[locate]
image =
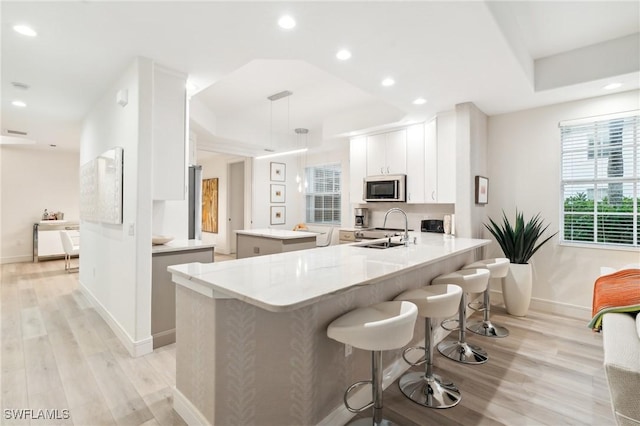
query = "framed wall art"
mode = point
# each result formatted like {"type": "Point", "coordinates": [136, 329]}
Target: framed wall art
{"type": "Point", "coordinates": [210, 205]}
{"type": "Point", "coordinates": [482, 190]}
{"type": "Point", "coordinates": [278, 193]}
{"type": "Point", "coordinates": [278, 172]}
{"type": "Point", "coordinates": [278, 215]}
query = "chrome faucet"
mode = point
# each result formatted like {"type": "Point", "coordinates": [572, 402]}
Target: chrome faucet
{"type": "Point", "coordinates": [405, 238]}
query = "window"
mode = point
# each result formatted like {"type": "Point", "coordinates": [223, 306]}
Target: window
{"type": "Point", "coordinates": [601, 179]}
{"type": "Point", "coordinates": [323, 194]}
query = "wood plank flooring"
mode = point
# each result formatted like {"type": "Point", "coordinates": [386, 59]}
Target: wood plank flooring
{"type": "Point", "coordinates": [57, 353]}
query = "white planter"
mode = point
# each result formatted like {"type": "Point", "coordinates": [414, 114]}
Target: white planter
{"type": "Point", "coordinates": [516, 289]}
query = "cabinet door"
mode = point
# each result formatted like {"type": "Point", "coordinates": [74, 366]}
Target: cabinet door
{"type": "Point", "coordinates": [169, 134]}
{"type": "Point", "coordinates": [49, 243]}
{"type": "Point", "coordinates": [357, 168]}
{"type": "Point", "coordinates": [396, 152]}
{"type": "Point", "coordinates": [446, 130]}
{"type": "Point", "coordinates": [376, 153]}
{"type": "Point", "coordinates": [431, 162]}
{"type": "Point", "coordinates": [415, 164]}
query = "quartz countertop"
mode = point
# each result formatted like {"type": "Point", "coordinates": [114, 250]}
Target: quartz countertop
{"type": "Point", "coordinates": [292, 280]}
{"type": "Point", "coordinates": [180, 245]}
{"type": "Point", "coordinates": [279, 234]}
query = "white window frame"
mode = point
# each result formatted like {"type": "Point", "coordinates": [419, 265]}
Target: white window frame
{"type": "Point", "coordinates": [310, 192]}
{"type": "Point", "coordinates": [632, 181]}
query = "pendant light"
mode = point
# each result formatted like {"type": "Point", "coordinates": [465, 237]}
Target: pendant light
{"type": "Point", "coordinates": [301, 133]}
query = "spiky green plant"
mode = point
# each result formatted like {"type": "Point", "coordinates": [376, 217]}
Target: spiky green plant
{"type": "Point", "coordinates": [519, 243]}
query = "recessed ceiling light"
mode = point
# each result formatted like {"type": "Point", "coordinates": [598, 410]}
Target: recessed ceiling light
{"type": "Point", "coordinates": [343, 54]}
{"type": "Point", "coordinates": [612, 86]}
{"type": "Point", "coordinates": [419, 101]}
{"type": "Point", "coordinates": [388, 82]}
{"type": "Point", "coordinates": [286, 22]}
{"type": "Point", "coordinates": [25, 30]}
{"type": "Point", "coordinates": [20, 104]}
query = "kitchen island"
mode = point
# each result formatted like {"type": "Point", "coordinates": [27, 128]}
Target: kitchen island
{"type": "Point", "coordinates": [163, 290]}
{"type": "Point", "coordinates": [258, 242]}
{"type": "Point", "coordinates": [252, 345]}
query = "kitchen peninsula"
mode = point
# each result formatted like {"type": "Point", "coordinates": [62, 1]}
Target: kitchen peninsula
{"type": "Point", "coordinates": [252, 345]}
{"type": "Point", "coordinates": [258, 242]}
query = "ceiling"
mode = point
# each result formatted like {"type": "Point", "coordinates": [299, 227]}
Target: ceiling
{"type": "Point", "coordinates": [502, 56]}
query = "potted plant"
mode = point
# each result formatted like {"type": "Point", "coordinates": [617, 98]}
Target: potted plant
{"type": "Point", "coordinates": [518, 243]}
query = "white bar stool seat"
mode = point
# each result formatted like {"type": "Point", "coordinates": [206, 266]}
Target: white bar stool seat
{"type": "Point", "coordinates": [426, 388]}
{"type": "Point", "coordinates": [471, 281]}
{"type": "Point", "coordinates": [379, 327]}
{"type": "Point", "coordinates": [498, 268]}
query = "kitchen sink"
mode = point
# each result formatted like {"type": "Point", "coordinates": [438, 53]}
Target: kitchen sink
{"type": "Point", "coordinates": [381, 244]}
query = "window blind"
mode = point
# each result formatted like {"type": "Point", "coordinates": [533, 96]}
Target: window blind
{"type": "Point", "coordinates": [600, 180]}
{"type": "Point", "coordinates": [323, 194]}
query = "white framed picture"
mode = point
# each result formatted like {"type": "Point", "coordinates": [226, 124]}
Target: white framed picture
{"type": "Point", "coordinates": [278, 172]}
{"type": "Point", "coordinates": [278, 193]}
{"type": "Point", "coordinates": [278, 215]}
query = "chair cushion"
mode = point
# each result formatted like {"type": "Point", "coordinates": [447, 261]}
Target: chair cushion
{"type": "Point", "coordinates": [379, 327]}
{"type": "Point", "coordinates": [498, 266]}
{"type": "Point", "coordinates": [435, 301]}
{"type": "Point", "coordinates": [471, 280]}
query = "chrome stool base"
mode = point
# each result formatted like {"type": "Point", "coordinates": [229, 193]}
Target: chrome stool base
{"type": "Point", "coordinates": [488, 329]}
{"type": "Point", "coordinates": [368, 421]}
{"type": "Point", "coordinates": [463, 352]}
{"type": "Point", "coordinates": [434, 393]}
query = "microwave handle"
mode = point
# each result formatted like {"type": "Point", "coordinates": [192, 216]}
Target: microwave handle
{"type": "Point", "coordinates": [396, 184]}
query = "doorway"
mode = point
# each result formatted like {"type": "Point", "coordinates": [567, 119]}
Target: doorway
{"type": "Point", "coordinates": [235, 196]}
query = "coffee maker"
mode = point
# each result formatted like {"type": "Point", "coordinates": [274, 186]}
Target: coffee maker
{"type": "Point", "coordinates": [362, 218]}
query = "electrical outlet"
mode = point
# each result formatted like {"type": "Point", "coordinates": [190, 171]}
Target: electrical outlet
{"type": "Point", "coordinates": [347, 350]}
{"type": "Point", "coordinates": [132, 229]}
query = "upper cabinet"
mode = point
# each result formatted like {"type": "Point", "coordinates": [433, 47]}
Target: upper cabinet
{"type": "Point", "coordinates": [357, 168]}
{"type": "Point", "coordinates": [169, 134]}
{"type": "Point", "coordinates": [415, 164]}
{"type": "Point", "coordinates": [446, 158]}
{"type": "Point", "coordinates": [387, 153]}
{"type": "Point", "coordinates": [425, 152]}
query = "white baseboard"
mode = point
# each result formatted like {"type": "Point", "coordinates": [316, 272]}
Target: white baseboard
{"type": "Point", "coordinates": [185, 409]}
{"type": "Point", "coordinates": [135, 348]}
{"type": "Point", "coordinates": [16, 259]}
{"type": "Point", "coordinates": [550, 307]}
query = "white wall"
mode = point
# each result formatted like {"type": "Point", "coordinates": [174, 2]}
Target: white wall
{"type": "Point", "coordinates": [32, 180]}
{"type": "Point", "coordinates": [524, 172]}
{"type": "Point", "coordinates": [115, 265]}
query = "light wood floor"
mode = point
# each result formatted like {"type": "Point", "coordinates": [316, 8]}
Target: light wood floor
{"type": "Point", "coordinates": [57, 353]}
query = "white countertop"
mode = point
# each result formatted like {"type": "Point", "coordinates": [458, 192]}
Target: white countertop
{"type": "Point", "coordinates": [279, 234]}
{"type": "Point", "coordinates": [180, 245]}
{"type": "Point", "coordinates": [292, 280]}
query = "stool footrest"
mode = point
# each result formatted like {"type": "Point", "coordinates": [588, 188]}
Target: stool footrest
{"type": "Point", "coordinates": [350, 389]}
{"type": "Point", "coordinates": [444, 324]}
{"type": "Point", "coordinates": [421, 361]}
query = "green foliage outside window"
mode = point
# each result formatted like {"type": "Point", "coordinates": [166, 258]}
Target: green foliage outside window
{"type": "Point", "coordinates": [614, 221]}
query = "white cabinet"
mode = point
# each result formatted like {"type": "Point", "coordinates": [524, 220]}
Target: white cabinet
{"type": "Point", "coordinates": [446, 141]}
{"type": "Point", "coordinates": [415, 164]}
{"type": "Point", "coordinates": [431, 161]}
{"type": "Point", "coordinates": [169, 134]}
{"type": "Point", "coordinates": [387, 153]}
{"type": "Point", "coordinates": [357, 168]}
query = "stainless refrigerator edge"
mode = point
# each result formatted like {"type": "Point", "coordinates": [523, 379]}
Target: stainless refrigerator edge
{"type": "Point", "coordinates": [195, 202]}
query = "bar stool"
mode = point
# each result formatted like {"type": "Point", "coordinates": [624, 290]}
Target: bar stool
{"type": "Point", "coordinates": [471, 281]}
{"type": "Point", "coordinates": [376, 328]}
{"type": "Point", "coordinates": [498, 268]}
{"type": "Point", "coordinates": [429, 389]}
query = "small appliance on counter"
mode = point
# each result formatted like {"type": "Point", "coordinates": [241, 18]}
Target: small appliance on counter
{"type": "Point", "coordinates": [432, 225]}
{"type": "Point", "coordinates": [362, 217]}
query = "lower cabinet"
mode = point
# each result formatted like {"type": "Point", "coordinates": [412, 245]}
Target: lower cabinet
{"type": "Point", "coordinates": [163, 291]}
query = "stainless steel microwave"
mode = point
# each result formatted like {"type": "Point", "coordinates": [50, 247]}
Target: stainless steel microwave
{"type": "Point", "coordinates": [385, 188]}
